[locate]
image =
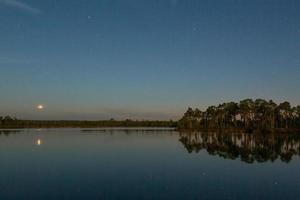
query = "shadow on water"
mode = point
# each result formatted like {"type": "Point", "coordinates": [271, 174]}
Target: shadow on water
{"type": "Point", "coordinates": [249, 148]}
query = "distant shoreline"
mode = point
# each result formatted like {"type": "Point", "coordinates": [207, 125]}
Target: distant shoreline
{"type": "Point", "coordinates": [24, 124]}
{"type": "Point", "coordinates": [107, 125]}
{"type": "Point", "coordinates": [152, 128]}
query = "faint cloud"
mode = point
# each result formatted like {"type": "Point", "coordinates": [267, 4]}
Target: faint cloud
{"type": "Point", "coordinates": [21, 6]}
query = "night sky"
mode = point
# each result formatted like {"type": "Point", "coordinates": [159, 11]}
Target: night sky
{"type": "Point", "coordinates": [144, 59]}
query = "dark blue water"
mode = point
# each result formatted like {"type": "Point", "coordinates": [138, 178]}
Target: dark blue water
{"type": "Point", "coordinates": [120, 164]}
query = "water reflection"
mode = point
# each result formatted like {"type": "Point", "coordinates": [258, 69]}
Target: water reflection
{"type": "Point", "coordinates": [39, 142]}
{"type": "Point", "coordinates": [118, 164]}
{"type": "Point", "coordinates": [7, 132]}
{"type": "Point", "coordinates": [249, 148]}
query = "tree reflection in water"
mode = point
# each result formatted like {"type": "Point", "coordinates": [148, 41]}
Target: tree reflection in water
{"type": "Point", "coordinates": [249, 148]}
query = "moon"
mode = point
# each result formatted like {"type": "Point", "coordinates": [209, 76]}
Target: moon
{"type": "Point", "coordinates": [40, 107]}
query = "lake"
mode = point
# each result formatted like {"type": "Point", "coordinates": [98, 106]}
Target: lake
{"type": "Point", "coordinates": [147, 164]}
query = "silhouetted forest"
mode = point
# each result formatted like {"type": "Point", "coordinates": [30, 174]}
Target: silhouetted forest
{"type": "Point", "coordinates": [9, 122]}
{"type": "Point", "coordinates": [249, 148]}
{"type": "Point", "coordinates": [247, 115]}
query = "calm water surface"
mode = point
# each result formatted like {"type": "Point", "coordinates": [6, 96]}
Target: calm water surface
{"type": "Point", "coordinates": [147, 164]}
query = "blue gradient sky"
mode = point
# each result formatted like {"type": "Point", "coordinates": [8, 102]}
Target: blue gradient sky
{"type": "Point", "coordinates": [144, 59]}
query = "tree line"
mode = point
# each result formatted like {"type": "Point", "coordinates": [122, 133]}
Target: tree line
{"type": "Point", "coordinates": [247, 115]}
{"type": "Point", "coordinates": [10, 122]}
